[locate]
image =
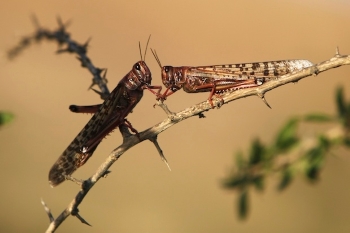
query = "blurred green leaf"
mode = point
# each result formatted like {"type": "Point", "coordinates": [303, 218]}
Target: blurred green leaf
{"type": "Point", "coordinates": [240, 161]}
{"type": "Point", "coordinates": [262, 157]}
{"type": "Point", "coordinates": [324, 142]}
{"type": "Point", "coordinates": [287, 138]}
{"type": "Point", "coordinates": [243, 204]}
{"type": "Point", "coordinates": [256, 152]}
{"type": "Point", "coordinates": [347, 118]}
{"type": "Point", "coordinates": [341, 106]}
{"type": "Point", "coordinates": [318, 117]}
{"type": "Point", "coordinates": [312, 172]}
{"type": "Point", "coordinates": [6, 117]}
{"type": "Point", "coordinates": [258, 182]}
{"type": "Point", "coordinates": [315, 158]}
{"type": "Point", "coordinates": [235, 181]}
{"type": "Point", "coordinates": [287, 177]}
{"type": "Point", "coordinates": [314, 155]}
{"type": "Point", "coordinates": [347, 142]}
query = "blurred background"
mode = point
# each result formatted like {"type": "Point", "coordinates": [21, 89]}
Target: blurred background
{"type": "Point", "coordinates": [141, 195]}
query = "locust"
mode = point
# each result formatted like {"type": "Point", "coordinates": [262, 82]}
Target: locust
{"type": "Point", "coordinates": [218, 79]}
{"type": "Point", "coordinates": [107, 116]}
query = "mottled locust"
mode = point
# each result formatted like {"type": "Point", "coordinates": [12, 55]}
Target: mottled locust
{"type": "Point", "coordinates": [218, 79]}
{"type": "Point", "coordinates": [107, 116]}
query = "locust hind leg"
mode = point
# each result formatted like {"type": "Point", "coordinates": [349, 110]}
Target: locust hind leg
{"type": "Point", "coordinates": [218, 88]}
{"type": "Point", "coordinates": [85, 109]}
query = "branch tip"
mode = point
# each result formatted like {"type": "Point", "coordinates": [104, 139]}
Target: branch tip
{"type": "Point", "coordinates": [48, 211]}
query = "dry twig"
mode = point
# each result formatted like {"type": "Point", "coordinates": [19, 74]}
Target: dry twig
{"type": "Point", "coordinates": [174, 118]}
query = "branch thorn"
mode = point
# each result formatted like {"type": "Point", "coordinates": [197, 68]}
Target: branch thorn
{"type": "Point", "coordinates": [62, 25]}
{"type": "Point", "coordinates": [75, 212]}
{"type": "Point", "coordinates": [337, 54]}
{"type": "Point", "coordinates": [155, 142]}
{"type": "Point", "coordinates": [86, 44]}
{"type": "Point", "coordinates": [82, 220]}
{"type": "Point", "coordinates": [48, 211]}
{"type": "Point", "coordinates": [105, 174]}
{"type": "Point", "coordinates": [262, 97]}
{"type": "Point", "coordinates": [201, 115]}
{"type": "Point", "coordinates": [98, 92]}
{"type": "Point", "coordinates": [104, 76]}
{"type": "Point", "coordinates": [35, 21]}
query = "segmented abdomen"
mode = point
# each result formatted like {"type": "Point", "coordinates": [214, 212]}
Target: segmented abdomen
{"type": "Point", "coordinates": [72, 158]}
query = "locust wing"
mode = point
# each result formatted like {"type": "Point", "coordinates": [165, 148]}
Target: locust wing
{"type": "Point", "coordinates": [245, 71]}
{"type": "Point", "coordinates": [72, 158]}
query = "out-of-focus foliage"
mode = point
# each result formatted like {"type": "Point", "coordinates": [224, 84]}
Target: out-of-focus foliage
{"type": "Point", "coordinates": [5, 117]}
{"type": "Point", "coordinates": [290, 153]}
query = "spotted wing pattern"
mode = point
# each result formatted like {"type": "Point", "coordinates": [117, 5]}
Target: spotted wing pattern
{"type": "Point", "coordinates": [245, 71]}
{"type": "Point", "coordinates": [73, 157]}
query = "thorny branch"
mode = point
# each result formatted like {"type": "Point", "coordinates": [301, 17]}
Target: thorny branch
{"type": "Point", "coordinates": [63, 39]}
{"type": "Point", "coordinates": [172, 119]}
{"type": "Point", "coordinates": [151, 133]}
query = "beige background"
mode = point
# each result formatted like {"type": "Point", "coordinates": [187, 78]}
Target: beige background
{"type": "Point", "coordinates": [141, 195]}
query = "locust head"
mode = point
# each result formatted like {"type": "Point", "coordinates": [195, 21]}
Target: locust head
{"type": "Point", "coordinates": [139, 76]}
{"type": "Point", "coordinates": [172, 77]}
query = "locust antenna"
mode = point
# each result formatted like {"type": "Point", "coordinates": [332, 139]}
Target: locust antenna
{"type": "Point", "coordinates": [140, 51]}
{"type": "Point", "coordinates": [144, 56]}
{"type": "Point", "coordinates": [156, 57]}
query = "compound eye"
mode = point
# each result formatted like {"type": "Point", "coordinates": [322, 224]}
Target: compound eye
{"type": "Point", "coordinates": [137, 66]}
{"type": "Point", "coordinates": [166, 69]}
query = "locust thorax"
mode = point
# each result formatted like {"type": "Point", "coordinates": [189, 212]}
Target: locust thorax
{"type": "Point", "coordinates": [172, 77]}
{"type": "Point", "coordinates": [139, 76]}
